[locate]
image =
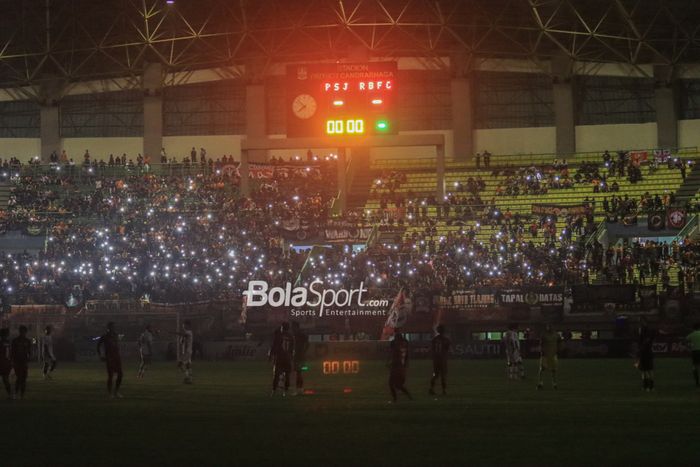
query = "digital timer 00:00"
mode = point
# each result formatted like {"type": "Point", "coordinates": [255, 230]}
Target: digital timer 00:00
{"type": "Point", "coordinates": [334, 367]}
{"type": "Point", "coordinates": [339, 127]}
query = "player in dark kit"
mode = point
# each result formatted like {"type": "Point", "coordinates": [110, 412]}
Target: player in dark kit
{"type": "Point", "coordinates": [5, 361]}
{"type": "Point", "coordinates": [20, 352]}
{"type": "Point", "coordinates": [301, 345]}
{"type": "Point", "coordinates": [46, 352]}
{"type": "Point", "coordinates": [398, 366]}
{"type": "Point", "coordinates": [439, 348]}
{"type": "Point", "coordinates": [145, 350]}
{"type": "Point", "coordinates": [282, 355]}
{"type": "Point", "coordinates": [645, 358]}
{"type": "Point", "coordinates": [113, 359]}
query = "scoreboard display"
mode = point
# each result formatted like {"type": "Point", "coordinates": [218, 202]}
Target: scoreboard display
{"type": "Point", "coordinates": [341, 99]}
{"type": "Point", "coordinates": [344, 367]}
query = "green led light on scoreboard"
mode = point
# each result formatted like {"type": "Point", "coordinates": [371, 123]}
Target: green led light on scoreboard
{"type": "Point", "coordinates": [382, 125]}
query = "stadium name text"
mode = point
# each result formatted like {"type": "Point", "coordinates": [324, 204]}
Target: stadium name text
{"type": "Point", "coordinates": [259, 293]}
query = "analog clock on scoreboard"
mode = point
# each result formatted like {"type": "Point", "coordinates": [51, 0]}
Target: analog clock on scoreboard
{"type": "Point", "coordinates": [341, 99]}
{"type": "Point", "coordinates": [304, 106]}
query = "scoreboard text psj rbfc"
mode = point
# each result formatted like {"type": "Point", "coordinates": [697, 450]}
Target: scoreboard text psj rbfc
{"type": "Point", "coordinates": [341, 99]}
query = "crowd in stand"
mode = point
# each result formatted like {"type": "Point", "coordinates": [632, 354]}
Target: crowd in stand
{"type": "Point", "coordinates": [463, 202]}
{"type": "Point", "coordinates": [533, 180]}
{"type": "Point", "coordinates": [12, 162]}
{"type": "Point", "coordinates": [620, 206]}
{"type": "Point", "coordinates": [37, 198]}
{"type": "Point", "coordinates": [647, 263]}
{"type": "Point", "coordinates": [189, 238]}
{"type": "Point", "coordinates": [457, 260]}
{"type": "Point", "coordinates": [162, 238]}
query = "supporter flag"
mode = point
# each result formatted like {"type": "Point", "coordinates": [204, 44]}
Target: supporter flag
{"type": "Point", "coordinates": [637, 157]}
{"type": "Point", "coordinates": [231, 170]}
{"type": "Point", "coordinates": [655, 221]}
{"type": "Point", "coordinates": [675, 218]}
{"type": "Point", "coordinates": [398, 314]}
{"type": "Point", "coordinates": [292, 224]}
{"type": "Point", "coordinates": [34, 230]}
{"type": "Point", "coordinates": [630, 219]}
{"type": "Point", "coordinates": [421, 303]}
{"type": "Point", "coordinates": [662, 155]}
{"type": "Point", "coordinates": [261, 171]}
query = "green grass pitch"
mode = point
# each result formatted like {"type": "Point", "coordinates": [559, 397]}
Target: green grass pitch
{"type": "Point", "coordinates": [599, 416]}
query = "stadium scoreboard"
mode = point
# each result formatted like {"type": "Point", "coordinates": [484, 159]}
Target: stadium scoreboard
{"type": "Point", "coordinates": [341, 99]}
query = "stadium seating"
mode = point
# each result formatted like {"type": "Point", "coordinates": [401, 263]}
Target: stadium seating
{"type": "Point", "coordinates": [421, 180]}
{"type": "Point", "coordinates": [423, 183]}
{"type": "Point", "coordinates": [499, 160]}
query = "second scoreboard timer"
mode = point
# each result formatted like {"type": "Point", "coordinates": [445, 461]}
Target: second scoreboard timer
{"type": "Point", "coordinates": [337, 367]}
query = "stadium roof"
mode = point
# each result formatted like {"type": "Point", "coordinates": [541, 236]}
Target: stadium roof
{"type": "Point", "coordinates": [87, 39]}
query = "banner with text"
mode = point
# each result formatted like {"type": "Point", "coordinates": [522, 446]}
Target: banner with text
{"type": "Point", "coordinates": [560, 209]}
{"type": "Point", "coordinates": [525, 297]}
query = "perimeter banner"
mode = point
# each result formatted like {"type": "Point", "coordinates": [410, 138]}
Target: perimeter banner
{"type": "Point", "coordinates": [524, 297]}
{"type": "Point", "coordinates": [560, 209]}
{"type": "Point", "coordinates": [266, 171]}
{"type": "Point", "coordinates": [347, 233]}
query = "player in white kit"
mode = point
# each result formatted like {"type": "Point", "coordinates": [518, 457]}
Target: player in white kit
{"type": "Point", "coordinates": [145, 349]}
{"type": "Point", "coordinates": [514, 360]}
{"type": "Point", "coordinates": [185, 351]}
{"type": "Point", "coordinates": [46, 352]}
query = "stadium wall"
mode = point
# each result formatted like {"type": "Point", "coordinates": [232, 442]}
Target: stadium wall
{"type": "Point", "coordinates": [689, 133]}
{"type": "Point", "coordinates": [216, 145]}
{"type": "Point", "coordinates": [175, 146]}
{"type": "Point", "coordinates": [614, 137]}
{"type": "Point", "coordinates": [539, 140]}
{"type": "Point", "coordinates": [536, 140]}
{"type": "Point", "coordinates": [415, 151]}
{"type": "Point", "coordinates": [22, 148]}
{"type": "Point", "coordinates": [101, 148]}
{"type": "Point", "coordinates": [542, 140]}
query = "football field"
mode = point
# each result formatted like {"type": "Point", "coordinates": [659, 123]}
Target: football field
{"type": "Point", "coordinates": [598, 416]}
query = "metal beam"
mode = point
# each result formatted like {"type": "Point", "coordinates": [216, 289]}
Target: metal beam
{"type": "Point", "coordinates": [84, 40]}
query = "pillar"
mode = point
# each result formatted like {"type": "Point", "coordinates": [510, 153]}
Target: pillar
{"type": "Point", "coordinates": [666, 103]}
{"type": "Point", "coordinates": [462, 106]}
{"type": "Point", "coordinates": [50, 95]}
{"type": "Point", "coordinates": [244, 172]}
{"type": "Point", "coordinates": [256, 118]}
{"type": "Point", "coordinates": [152, 84]}
{"type": "Point", "coordinates": [342, 173]}
{"type": "Point", "coordinates": [462, 118]}
{"type": "Point", "coordinates": [440, 163]}
{"type": "Point", "coordinates": [50, 131]}
{"type": "Point", "coordinates": [563, 96]}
